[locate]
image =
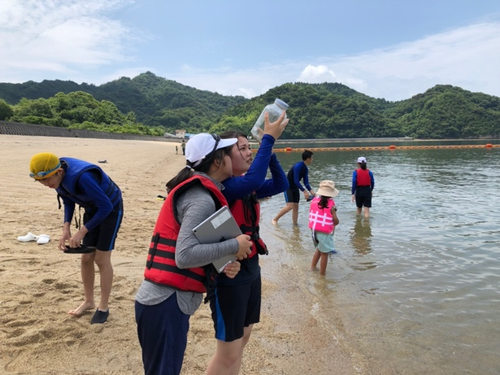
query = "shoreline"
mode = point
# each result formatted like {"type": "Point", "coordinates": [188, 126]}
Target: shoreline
{"type": "Point", "coordinates": [40, 284]}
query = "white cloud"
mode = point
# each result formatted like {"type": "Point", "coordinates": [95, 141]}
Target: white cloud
{"type": "Point", "coordinates": [58, 37]}
{"type": "Point", "coordinates": [316, 74]}
{"type": "Point", "coordinates": [467, 57]}
{"type": "Point", "coordinates": [73, 39]}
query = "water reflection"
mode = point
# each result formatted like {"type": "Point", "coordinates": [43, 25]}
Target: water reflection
{"type": "Point", "coordinates": [361, 236]}
{"type": "Point", "coordinates": [361, 241]}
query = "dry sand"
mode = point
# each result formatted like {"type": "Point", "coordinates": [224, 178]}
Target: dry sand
{"type": "Point", "coordinates": [40, 284]}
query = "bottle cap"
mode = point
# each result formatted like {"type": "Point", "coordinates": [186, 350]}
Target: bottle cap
{"type": "Point", "coordinates": [280, 103]}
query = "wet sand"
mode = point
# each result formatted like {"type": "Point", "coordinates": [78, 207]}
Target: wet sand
{"type": "Point", "coordinates": [40, 284]}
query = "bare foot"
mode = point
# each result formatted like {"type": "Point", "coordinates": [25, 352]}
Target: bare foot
{"type": "Point", "coordinates": [82, 308]}
{"type": "Point", "coordinates": [274, 221]}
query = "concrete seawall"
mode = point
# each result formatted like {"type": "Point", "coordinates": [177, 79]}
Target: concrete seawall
{"type": "Point", "coordinates": [16, 128]}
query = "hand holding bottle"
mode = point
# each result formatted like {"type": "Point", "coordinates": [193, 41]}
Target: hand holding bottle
{"type": "Point", "coordinates": [276, 128]}
{"type": "Point", "coordinates": [274, 111]}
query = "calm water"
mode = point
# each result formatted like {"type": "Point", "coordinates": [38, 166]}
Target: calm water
{"type": "Point", "coordinates": [414, 289]}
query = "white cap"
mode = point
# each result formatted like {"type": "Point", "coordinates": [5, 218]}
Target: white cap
{"type": "Point", "coordinates": [361, 159]}
{"type": "Point", "coordinates": [280, 103]}
{"type": "Point", "coordinates": [199, 146]}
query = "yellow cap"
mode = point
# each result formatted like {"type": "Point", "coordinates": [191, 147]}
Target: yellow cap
{"type": "Point", "coordinates": [44, 165]}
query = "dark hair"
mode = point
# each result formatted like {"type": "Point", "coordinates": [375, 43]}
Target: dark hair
{"type": "Point", "coordinates": [362, 165]}
{"type": "Point", "coordinates": [233, 134]}
{"type": "Point", "coordinates": [203, 167]}
{"type": "Point", "coordinates": [323, 203]}
{"type": "Point", "coordinates": [306, 155]}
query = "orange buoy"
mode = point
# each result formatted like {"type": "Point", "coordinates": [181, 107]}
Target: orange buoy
{"type": "Point", "coordinates": [392, 147]}
{"type": "Point", "coordinates": [489, 145]}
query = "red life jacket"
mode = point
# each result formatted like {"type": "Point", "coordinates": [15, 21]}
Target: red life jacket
{"type": "Point", "coordinates": [160, 266]}
{"type": "Point", "coordinates": [246, 212]}
{"type": "Point", "coordinates": [363, 177]}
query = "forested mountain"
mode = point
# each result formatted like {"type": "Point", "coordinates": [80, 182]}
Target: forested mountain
{"type": "Point", "coordinates": [445, 111]}
{"type": "Point", "coordinates": [154, 100]}
{"type": "Point", "coordinates": [327, 110]}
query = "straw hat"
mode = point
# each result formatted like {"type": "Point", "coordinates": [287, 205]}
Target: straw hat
{"type": "Point", "coordinates": [327, 189]}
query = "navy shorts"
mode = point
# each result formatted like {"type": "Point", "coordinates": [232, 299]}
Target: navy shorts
{"type": "Point", "coordinates": [235, 307]}
{"type": "Point", "coordinates": [363, 196]}
{"type": "Point", "coordinates": [162, 330]}
{"type": "Point", "coordinates": [292, 195]}
{"type": "Point", "coordinates": [104, 235]}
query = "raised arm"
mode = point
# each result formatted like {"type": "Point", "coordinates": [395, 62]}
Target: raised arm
{"type": "Point", "coordinates": [240, 186]}
{"type": "Point", "coordinates": [275, 185]}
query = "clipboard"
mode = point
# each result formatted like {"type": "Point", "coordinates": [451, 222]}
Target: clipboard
{"type": "Point", "coordinates": [218, 227]}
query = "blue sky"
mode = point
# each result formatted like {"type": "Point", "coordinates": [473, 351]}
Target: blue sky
{"type": "Point", "coordinates": [389, 49]}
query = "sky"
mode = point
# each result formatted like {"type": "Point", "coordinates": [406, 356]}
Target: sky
{"type": "Point", "coordinates": [390, 49]}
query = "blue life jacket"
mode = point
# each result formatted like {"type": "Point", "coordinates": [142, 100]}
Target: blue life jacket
{"type": "Point", "coordinates": [73, 169]}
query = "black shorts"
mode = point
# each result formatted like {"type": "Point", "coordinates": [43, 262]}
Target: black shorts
{"type": "Point", "coordinates": [292, 195]}
{"type": "Point", "coordinates": [235, 307]}
{"type": "Point", "coordinates": [104, 235]}
{"type": "Point", "coordinates": [363, 196]}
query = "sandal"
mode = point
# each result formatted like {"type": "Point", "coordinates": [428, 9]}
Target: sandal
{"type": "Point", "coordinates": [80, 250]}
{"type": "Point", "coordinates": [43, 239]}
{"type": "Point", "coordinates": [100, 317]}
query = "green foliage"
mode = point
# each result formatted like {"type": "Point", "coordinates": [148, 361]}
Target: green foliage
{"type": "Point", "coordinates": [148, 104]}
{"type": "Point", "coordinates": [446, 112]}
{"type": "Point", "coordinates": [5, 110]}
{"type": "Point", "coordinates": [332, 110]}
{"type": "Point", "coordinates": [79, 110]}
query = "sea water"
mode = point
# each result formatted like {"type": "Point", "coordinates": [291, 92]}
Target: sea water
{"type": "Point", "coordinates": [417, 285]}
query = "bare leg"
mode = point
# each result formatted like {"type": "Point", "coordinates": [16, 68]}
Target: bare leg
{"type": "Point", "coordinates": [295, 213]}
{"type": "Point", "coordinates": [235, 369]}
{"type": "Point", "coordinates": [323, 263]}
{"type": "Point", "coordinates": [228, 355]}
{"type": "Point", "coordinates": [358, 211]}
{"type": "Point", "coordinates": [315, 259]}
{"type": "Point", "coordinates": [367, 212]}
{"type": "Point", "coordinates": [103, 261]}
{"type": "Point", "coordinates": [88, 275]}
{"type": "Point", "coordinates": [283, 211]}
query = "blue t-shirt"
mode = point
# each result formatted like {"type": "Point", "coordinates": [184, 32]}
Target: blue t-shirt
{"type": "Point", "coordinates": [298, 172]}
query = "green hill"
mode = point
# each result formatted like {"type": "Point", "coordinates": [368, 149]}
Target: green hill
{"type": "Point", "coordinates": [327, 110]}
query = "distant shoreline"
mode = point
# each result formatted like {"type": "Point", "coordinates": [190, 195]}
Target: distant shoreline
{"type": "Point", "coordinates": [382, 139]}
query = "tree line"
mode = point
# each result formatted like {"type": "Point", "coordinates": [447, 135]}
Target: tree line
{"type": "Point", "coordinates": [152, 105]}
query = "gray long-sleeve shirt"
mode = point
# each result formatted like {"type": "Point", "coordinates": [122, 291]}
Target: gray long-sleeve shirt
{"type": "Point", "coordinates": [193, 206]}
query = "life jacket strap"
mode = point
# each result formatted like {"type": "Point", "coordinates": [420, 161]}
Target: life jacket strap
{"type": "Point", "coordinates": [153, 251]}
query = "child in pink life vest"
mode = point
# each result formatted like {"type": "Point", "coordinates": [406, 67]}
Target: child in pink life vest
{"type": "Point", "coordinates": [322, 221]}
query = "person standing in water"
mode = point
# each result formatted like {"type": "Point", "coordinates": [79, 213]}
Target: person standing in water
{"type": "Point", "coordinates": [299, 171]}
{"type": "Point", "coordinates": [322, 221]}
{"type": "Point", "coordinates": [362, 187]}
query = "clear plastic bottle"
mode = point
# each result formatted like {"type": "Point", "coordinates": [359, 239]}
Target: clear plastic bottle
{"type": "Point", "coordinates": [275, 110]}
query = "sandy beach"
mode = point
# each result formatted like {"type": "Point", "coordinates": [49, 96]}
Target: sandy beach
{"type": "Point", "coordinates": [40, 284]}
